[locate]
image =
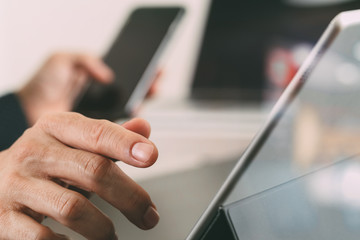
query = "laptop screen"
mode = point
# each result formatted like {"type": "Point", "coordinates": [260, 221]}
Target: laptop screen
{"type": "Point", "coordinates": [238, 37]}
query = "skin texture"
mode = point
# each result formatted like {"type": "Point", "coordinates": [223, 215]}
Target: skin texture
{"type": "Point", "coordinates": [69, 149]}
{"type": "Point", "coordinates": [62, 149]}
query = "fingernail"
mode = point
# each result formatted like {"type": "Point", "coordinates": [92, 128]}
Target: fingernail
{"type": "Point", "coordinates": [151, 218]}
{"type": "Point", "coordinates": [142, 151]}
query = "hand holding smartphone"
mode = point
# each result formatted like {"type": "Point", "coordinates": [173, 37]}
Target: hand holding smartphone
{"type": "Point", "coordinates": [133, 57]}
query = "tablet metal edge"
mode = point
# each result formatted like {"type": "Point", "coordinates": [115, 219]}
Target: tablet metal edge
{"type": "Point", "coordinates": [339, 22]}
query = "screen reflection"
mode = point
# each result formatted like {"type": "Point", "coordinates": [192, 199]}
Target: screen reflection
{"type": "Point", "coordinates": [304, 182]}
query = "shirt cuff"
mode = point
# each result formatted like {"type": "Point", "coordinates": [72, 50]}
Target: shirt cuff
{"type": "Point", "coordinates": [13, 121]}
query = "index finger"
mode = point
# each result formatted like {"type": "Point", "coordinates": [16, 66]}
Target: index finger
{"type": "Point", "coordinates": [101, 137]}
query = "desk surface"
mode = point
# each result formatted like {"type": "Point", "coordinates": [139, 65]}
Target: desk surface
{"type": "Point", "coordinates": [180, 198]}
{"type": "Point", "coordinates": [190, 134]}
{"type": "Point", "coordinates": [198, 147]}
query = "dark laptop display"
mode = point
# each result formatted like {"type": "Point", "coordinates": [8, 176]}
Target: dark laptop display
{"type": "Point", "coordinates": [238, 37]}
{"type": "Point", "coordinates": [300, 177]}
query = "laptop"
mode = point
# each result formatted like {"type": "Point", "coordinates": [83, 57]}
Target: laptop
{"type": "Point", "coordinates": [239, 36]}
{"type": "Point", "coordinates": [300, 176]}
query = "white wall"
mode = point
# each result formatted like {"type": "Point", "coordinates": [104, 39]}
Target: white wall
{"type": "Point", "coordinates": [31, 30]}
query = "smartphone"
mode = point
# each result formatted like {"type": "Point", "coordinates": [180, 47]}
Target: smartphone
{"type": "Point", "coordinates": [133, 57]}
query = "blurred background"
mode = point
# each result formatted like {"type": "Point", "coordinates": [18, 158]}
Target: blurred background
{"type": "Point", "coordinates": [33, 30]}
{"type": "Point", "coordinates": [222, 49]}
{"type": "Point", "coordinates": [227, 62]}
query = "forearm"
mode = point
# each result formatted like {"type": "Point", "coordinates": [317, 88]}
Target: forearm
{"type": "Point", "coordinates": [12, 120]}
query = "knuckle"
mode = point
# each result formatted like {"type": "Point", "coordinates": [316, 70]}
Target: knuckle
{"type": "Point", "coordinates": [97, 167]}
{"type": "Point", "coordinates": [11, 184]}
{"type": "Point", "coordinates": [11, 181]}
{"type": "Point", "coordinates": [25, 150]}
{"type": "Point", "coordinates": [30, 149]}
{"type": "Point", "coordinates": [26, 141]}
{"type": "Point", "coordinates": [97, 132]}
{"type": "Point", "coordinates": [45, 121]}
{"type": "Point", "coordinates": [56, 120]}
{"type": "Point", "coordinates": [71, 206]}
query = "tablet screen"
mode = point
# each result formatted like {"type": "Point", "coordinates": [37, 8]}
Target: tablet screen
{"type": "Point", "coordinates": [324, 204]}
{"type": "Point", "coordinates": [320, 124]}
{"type": "Point", "coordinates": [300, 176]}
{"type": "Point", "coordinates": [304, 181]}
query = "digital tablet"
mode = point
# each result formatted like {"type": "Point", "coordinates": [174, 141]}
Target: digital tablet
{"type": "Point", "coordinates": [300, 176]}
{"type": "Point", "coordinates": [133, 57]}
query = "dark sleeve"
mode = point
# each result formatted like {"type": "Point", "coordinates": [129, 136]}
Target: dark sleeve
{"type": "Point", "coordinates": [12, 120]}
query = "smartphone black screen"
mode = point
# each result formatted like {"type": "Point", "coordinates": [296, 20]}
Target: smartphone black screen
{"type": "Point", "coordinates": [132, 57]}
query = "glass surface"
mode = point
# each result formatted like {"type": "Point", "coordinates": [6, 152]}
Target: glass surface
{"type": "Point", "coordinates": [319, 128]}
{"type": "Point", "coordinates": [321, 205]}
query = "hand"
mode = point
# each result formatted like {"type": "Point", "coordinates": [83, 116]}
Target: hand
{"type": "Point", "coordinates": [57, 84]}
{"type": "Point", "coordinates": [69, 149]}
